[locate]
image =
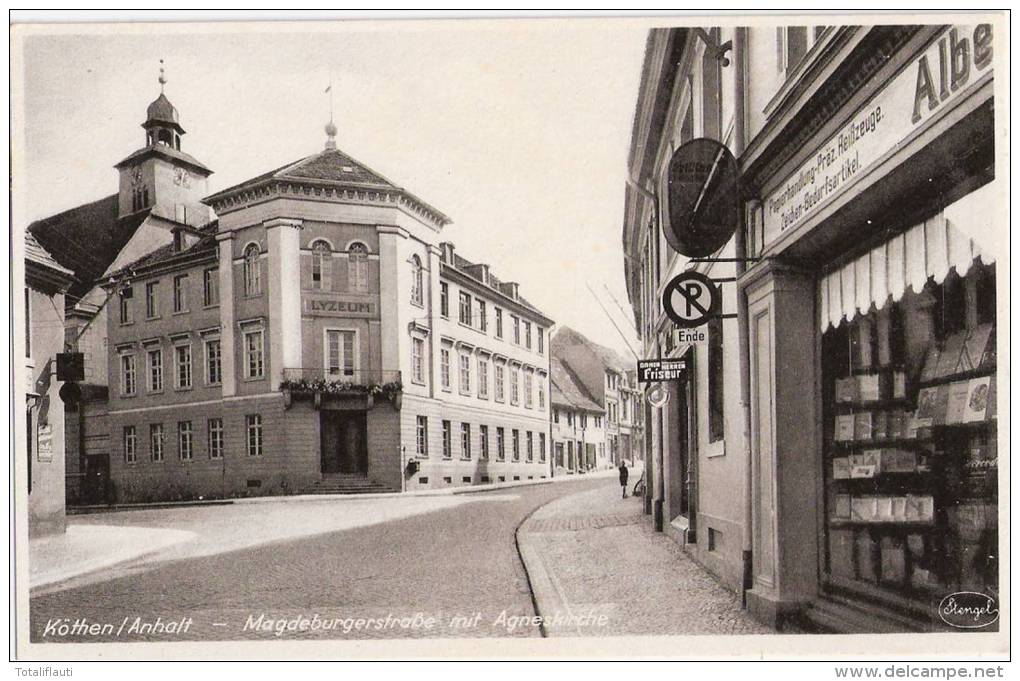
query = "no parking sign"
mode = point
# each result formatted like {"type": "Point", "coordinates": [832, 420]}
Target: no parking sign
{"type": "Point", "coordinates": [691, 299]}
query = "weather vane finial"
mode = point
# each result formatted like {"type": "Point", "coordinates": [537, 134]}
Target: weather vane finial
{"type": "Point", "coordinates": [330, 127]}
{"type": "Point", "coordinates": [162, 76]}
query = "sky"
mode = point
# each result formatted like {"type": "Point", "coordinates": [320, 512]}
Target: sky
{"type": "Point", "coordinates": [517, 130]}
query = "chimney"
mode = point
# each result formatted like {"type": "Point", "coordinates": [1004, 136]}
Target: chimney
{"type": "Point", "coordinates": [446, 251]}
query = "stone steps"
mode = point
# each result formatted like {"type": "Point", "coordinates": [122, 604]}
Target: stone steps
{"type": "Point", "coordinates": [347, 484]}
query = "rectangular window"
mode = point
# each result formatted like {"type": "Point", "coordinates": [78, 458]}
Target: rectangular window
{"type": "Point", "coordinates": [125, 305]}
{"type": "Point", "coordinates": [499, 323]}
{"type": "Point", "coordinates": [500, 444]}
{"type": "Point", "coordinates": [527, 335]}
{"type": "Point", "coordinates": [530, 451]}
{"type": "Point", "coordinates": [483, 322]}
{"type": "Point", "coordinates": [340, 353]}
{"type": "Point", "coordinates": [515, 444]}
{"type": "Point", "coordinates": [180, 293]}
{"type": "Point", "coordinates": [155, 370]}
{"type": "Point", "coordinates": [418, 360]}
{"type": "Point", "coordinates": [184, 442]}
{"type": "Point", "coordinates": [156, 442]}
{"type": "Point", "coordinates": [130, 444]}
{"type": "Point", "coordinates": [213, 362]}
{"type": "Point", "coordinates": [447, 441]}
{"type": "Point", "coordinates": [182, 360]}
{"type": "Point", "coordinates": [210, 287]}
{"type": "Point", "coordinates": [541, 392]}
{"type": "Point", "coordinates": [127, 375]}
{"type": "Point", "coordinates": [444, 300]}
{"type": "Point", "coordinates": [444, 368]}
{"type": "Point", "coordinates": [584, 420]}
{"type": "Point", "coordinates": [465, 440]}
{"type": "Point", "coordinates": [715, 380]}
{"type": "Point", "coordinates": [541, 447]}
{"type": "Point", "coordinates": [483, 378]}
{"type": "Point", "coordinates": [483, 442]}
{"type": "Point", "coordinates": [254, 366]}
{"type": "Point", "coordinates": [556, 415]}
{"type": "Point", "coordinates": [151, 301]}
{"type": "Point", "coordinates": [527, 390]}
{"type": "Point", "coordinates": [465, 308]}
{"type": "Point", "coordinates": [465, 374]}
{"type": "Point", "coordinates": [422, 436]}
{"type": "Point", "coordinates": [215, 438]}
{"type": "Point", "coordinates": [515, 389]}
{"type": "Point", "coordinates": [498, 382]}
{"type": "Point", "coordinates": [253, 426]}
{"type": "Point", "coordinates": [540, 332]}
{"type": "Point", "coordinates": [516, 322]}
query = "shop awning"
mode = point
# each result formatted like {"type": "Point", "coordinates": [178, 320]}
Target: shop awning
{"type": "Point", "coordinates": [953, 239]}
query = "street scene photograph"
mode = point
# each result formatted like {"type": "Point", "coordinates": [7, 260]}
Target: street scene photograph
{"type": "Point", "coordinates": [511, 338]}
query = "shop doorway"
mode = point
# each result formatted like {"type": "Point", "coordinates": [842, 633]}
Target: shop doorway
{"type": "Point", "coordinates": [344, 442]}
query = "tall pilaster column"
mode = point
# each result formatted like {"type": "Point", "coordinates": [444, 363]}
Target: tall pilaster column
{"type": "Point", "coordinates": [283, 237]}
{"type": "Point", "coordinates": [225, 242]}
{"type": "Point", "coordinates": [786, 493]}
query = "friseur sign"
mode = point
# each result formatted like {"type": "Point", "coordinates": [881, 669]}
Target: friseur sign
{"type": "Point", "coordinates": [340, 306]}
{"type": "Point", "coordinates": [655, 370]}
{"type": "Point", "coordinates": [954, 63]}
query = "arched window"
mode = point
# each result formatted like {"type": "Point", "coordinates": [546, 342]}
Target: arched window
{"type": "Point", "coordinates": [322, 266]}
{"type": "Point", "coordinates": [252, 277]}
{"type": "Point", "coordinates": [416, 288]}
{"type": "Point", "coordinates": [357, 267]}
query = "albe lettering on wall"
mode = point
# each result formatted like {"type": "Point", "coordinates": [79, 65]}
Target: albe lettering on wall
{"type": "Point", "coordinates": [949, 67]}
{"type": "Point", "coordinates": [956, 56]}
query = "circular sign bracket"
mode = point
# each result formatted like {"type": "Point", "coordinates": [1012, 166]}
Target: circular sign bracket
{"type": "Point", "coordinates": [704, 198]}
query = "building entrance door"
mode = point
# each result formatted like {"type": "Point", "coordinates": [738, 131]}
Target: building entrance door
{"type": "Point", "coordinates": [344, 442]}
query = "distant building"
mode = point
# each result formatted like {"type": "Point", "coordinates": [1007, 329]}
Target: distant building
{"type": "Point", "coordinates": [606, 380]}
{"type": "Point", "coordinates": [578, 424]}
{"type": "Point", "coordinates": [45, 284]}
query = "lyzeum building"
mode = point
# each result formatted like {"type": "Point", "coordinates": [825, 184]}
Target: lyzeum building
{"type": "Point", "coordinates": [314, 334]}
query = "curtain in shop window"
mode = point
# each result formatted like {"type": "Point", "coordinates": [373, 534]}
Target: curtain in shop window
{"type": "Point", "coordinates": [949, 240]}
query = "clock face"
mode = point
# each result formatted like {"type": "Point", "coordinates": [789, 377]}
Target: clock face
{"type": "Point", "coordinates": [182, 177]}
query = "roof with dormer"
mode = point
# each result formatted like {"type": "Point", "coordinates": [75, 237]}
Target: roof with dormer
{"type": "Point", "coordinates": [332, 173]}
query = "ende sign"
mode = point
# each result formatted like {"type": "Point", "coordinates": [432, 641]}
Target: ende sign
{"type": "Point", "coordinates": [953, 64]}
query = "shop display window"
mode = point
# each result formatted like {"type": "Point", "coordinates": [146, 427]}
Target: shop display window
{"type": "Point", "coordinates": [911, 466]}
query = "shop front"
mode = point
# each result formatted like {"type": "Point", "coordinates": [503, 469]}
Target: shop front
{"type": "Point", "coordinates": [872, 314]}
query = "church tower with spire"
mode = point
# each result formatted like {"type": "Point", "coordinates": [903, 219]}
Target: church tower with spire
{"type": "Point", "coordinates": [159, 177]}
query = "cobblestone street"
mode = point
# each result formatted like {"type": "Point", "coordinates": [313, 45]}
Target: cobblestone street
{"type": "Point", "coordinates": [601, 557]}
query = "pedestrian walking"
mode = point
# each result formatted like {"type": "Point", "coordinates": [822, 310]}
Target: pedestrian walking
{"type": "Point", "coordinates": [624, 474]}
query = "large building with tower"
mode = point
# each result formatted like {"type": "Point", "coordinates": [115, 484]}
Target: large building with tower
{"type": "Point", "coordinates": [307, 330]}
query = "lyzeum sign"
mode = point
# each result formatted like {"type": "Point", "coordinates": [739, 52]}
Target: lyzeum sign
{"type": "Point", "coordinates": [691, 299]}
{"type": "Point", "coordinates": [704, 198]}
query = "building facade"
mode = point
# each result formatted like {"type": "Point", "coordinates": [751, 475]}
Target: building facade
{"type": "Point", "coordinates": [45, 284]}
{"type": "Point", "coordinates": [578, 425]}
{"type": "Point", "coordinates": [316, 335]}
{"type": "Point", "coordinates": [856, 409]}
{"type": "Point", "coordinates": [595, 377]}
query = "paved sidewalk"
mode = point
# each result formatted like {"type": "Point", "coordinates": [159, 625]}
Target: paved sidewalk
{"type": "Point", "coordinates": [89, 548]}
{"type": "Point", "coordinates": [597, 568]}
